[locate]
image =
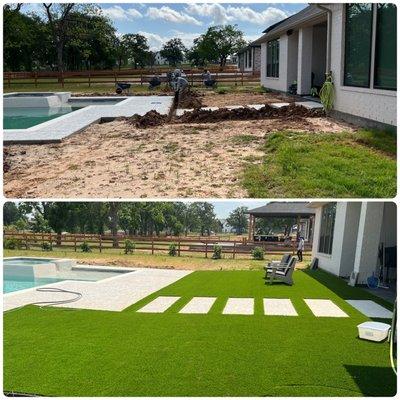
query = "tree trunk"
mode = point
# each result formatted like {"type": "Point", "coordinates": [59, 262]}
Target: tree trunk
{"type": "Point", "coordinates": [114, 223]}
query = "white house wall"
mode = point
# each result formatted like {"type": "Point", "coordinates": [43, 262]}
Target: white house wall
{"type": "Point", "coordinates": [374, 104]}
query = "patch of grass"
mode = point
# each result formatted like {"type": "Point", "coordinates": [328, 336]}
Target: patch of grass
{"type": "Point", "coordinates": [244, 139]}
{"type": "Point", "coordinates": [171, 147]}
{"type": "Point", "coordinates": [61, 352]}
{"type": "Point", "coordinates": [385, 141]}
{"type": "Point", "coordinates": [324, 165]}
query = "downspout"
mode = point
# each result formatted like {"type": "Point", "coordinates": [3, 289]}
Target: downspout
{"type": "Point", "coordinates": [329, 36]}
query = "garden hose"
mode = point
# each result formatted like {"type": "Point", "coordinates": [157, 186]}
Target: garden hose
{"type": "Point", "coordinates": [326, 93]}
{"type": "Point", "coordinates": [392, 337]}
{"type": "Point", "coordinates": [42, 304]}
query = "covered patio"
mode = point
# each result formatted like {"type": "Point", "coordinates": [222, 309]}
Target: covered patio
{"type": "Point", "coordinates": [300, 213]}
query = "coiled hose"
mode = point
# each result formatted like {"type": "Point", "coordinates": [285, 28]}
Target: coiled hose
{"type": "Point", "coordinates": [42, 304]}
{"type": "Point", "coordinates": [327, 92]}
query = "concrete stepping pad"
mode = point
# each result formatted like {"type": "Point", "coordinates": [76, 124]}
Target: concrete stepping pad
{"type": "Point", "coordinates": [198, 305]}
{"type": "Point", "coordinates": [241, 306]}
{"type": "Point", "coordinates": [279, 105]}
{"type": "Point", "coordinates": [311, 105]}
{"type": "Point", "coordinates": [279, 307]}
{"type": "Point", "coordinates": [325, 308]}
{"type": "Point", "coordinates": [370, 309]}
{"type": "Point", "coordinates": [159, 305]}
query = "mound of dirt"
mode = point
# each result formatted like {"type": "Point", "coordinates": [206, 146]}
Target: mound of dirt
{"type": "Point", "coordinates": [6, 161]}
{"type": "Point", "coordinates": [189, 99]}
{"type": "Point", "coordinates": [151, 118]}
{"type": "Point", "coordinates": [291, 112]}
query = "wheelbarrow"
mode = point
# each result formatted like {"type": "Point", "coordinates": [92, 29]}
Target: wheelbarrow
{"type": "Point", "coordinates": [121, 87]}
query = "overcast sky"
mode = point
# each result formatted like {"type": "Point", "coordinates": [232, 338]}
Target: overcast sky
{"type": "Point", "coordinates": [161, 22]}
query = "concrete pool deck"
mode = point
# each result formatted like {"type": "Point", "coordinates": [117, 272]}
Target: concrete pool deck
{"type": "Point", "coordinates": [110, 294]}
{"type": "Point", "coordinates": [55, 130]}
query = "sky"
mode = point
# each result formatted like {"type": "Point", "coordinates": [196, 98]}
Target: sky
{"type": "Point", "coordinates": [223, 208]}
{"type": "Point", "coordinates": [161, 22]}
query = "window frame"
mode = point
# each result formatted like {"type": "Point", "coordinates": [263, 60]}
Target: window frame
{"type": "Point", "coordinates": [272, 70]}
{"type": "Point", "coordinates": [327, 229]}
{"type": "Point", "coordinates": [372, 56]}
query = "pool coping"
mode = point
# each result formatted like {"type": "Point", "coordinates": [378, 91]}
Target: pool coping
{"type": "Point", "coordinates": [56, 129]}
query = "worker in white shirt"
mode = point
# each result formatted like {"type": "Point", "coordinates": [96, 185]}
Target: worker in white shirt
{"type": "Point", "coordinates": [300, 248]}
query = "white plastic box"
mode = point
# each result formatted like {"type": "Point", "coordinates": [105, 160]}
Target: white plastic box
{"type": "Point", "coordinates": [375, 331]}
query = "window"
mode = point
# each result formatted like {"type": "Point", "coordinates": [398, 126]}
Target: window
{"type": "Point", "coordinates": [358, 44]}
{"type": "Point", "coordinates": [327, 226]}
{"type": "Point", "coordinates": [273, 58]}
{"type": "Point", "coordinates": [385, 53]}
{"type": "Point", "coordinates": [359, 40]}
{"type": "Point", "coordinates": [250, 58]}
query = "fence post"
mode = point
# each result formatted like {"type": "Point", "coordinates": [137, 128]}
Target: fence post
{"type": "Point", "coordinates": [36, 78]}
{"type": "Point", "coordinates": [242, 78]}
{"type": "Point", "coordinates": [141, 79]}
{"type": "Point", "coordinates": [235, 78]}
{"type": "Point", "coordinates": [75, 243]}
{"type": "Point", "coordinates": [100, 243]}
{"type": "Point", "coordinates": [179, 248]}
{"type": "Point", "coordinates": [26, 241]}
{"type": "Point", "coordinates": [234, 249]}
{"type": "Point", "coordinates": [89, 78]}
{"type": "Point", "coordinates": [206, 249]}
{"type": "Point", "coordinates": [9, 79]}
{"type": "Point", "coordinates": [152, 246]}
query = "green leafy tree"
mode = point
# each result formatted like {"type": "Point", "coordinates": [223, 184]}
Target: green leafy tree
{"type": "Point", "coordinates": [137, 48]}
{"type": "Point", "coordinates": [173, 51]}
{"type": "Point", "coordinates": [238, 220]}
{"type": "Point", "coordinates": [11, 213]}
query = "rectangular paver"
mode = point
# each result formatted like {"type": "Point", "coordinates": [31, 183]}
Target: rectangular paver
{"type": "Point", "coordinates": [198, 305]}
{"type": "Point", "coordinates": [279, 307]}
{"type": "Point", "coordinates": [159, 305]}
{"type": "Point", "coordinates": [242, 306]}
{"type": "Point", "coordinates": [325, 308]}
{"type": "Point", "coordinates": [370, 309]}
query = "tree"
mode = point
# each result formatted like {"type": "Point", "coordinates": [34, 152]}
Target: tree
{"type": "Point", "coordinates": [136, 48]}
{"type": "Point", "coordinates": [218, 43]}
{"type": "Point", "coordinates": [173, 51]}
{"type": "Point", "coordinates": [113, 214]}
{"type": "Point", "coordinates": [11, 213]}
{"type": "Point", "coordinates": [238, 219]}
{"type": "Point", "coordinates": [206, 217]}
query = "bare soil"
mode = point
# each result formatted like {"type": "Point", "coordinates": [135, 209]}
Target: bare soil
{"type": "Point", "coordinates": [213, 99]}
{"type": "Point", "coordinates": [121, 159]}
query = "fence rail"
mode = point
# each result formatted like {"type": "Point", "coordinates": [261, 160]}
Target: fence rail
{"type": "Point", "coordinates": [150, 244]}
{"type": "Point", "coordinates": [133, 76]}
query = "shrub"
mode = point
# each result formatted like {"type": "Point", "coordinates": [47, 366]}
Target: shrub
{"type": "Point", "coordinates": [172, 251]}
{"type": "Point", "coordinates": [85, 247]}
{"type": "Point", "coordinates": [129, 246]}
{"type": "Point", "coordinates": [217, 252]}
{"type": "Point", "coordinates": [222, 90]}
{"type": "Point", "coordinates": [47, 246]}
{"type": "Point", "coordinates": [12, 244]}
{"type": "Point", "coordinates": [258, 253]}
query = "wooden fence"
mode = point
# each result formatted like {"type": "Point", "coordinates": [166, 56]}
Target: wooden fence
{"type": "Point", "coordinates": [133, 76]}
{"type": "Point", "coordinates": [153, 244]}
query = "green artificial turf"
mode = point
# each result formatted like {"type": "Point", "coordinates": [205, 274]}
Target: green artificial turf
{"type": "Point", "coordinates": [308, 164]}
{"type": "Point", "coordinates": [63, 352]}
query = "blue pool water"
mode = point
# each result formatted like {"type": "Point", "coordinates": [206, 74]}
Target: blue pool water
{"type": "Point", "coordinates": [13, 285]}
{"type": "Point", "coordinates": [19, 273]}
{"type": "Point", "coordinates": [23, 118]}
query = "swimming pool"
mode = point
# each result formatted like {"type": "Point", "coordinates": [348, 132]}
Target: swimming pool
{"type": "Point", "coordinates": [23, 110]}
{"type": "Point", "coordinates": [26, 273]}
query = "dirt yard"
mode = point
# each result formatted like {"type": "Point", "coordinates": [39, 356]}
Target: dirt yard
{"type": "Point", "coordinates": [213, 99]}
{"type": "Point", "coordinates": [119, 160]}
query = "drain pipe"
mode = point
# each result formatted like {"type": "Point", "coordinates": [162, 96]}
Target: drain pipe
{"type": "Point", "coordinates": [329, 37]}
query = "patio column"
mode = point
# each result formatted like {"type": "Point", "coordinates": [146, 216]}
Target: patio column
{"type": "Point", "coordinates": [304, 67]}
{"type": "Point", "coordinates": [368, 239]}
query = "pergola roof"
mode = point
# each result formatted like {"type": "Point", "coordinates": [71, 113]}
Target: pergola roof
{"type": "Point", "coordinates": [283, 209]}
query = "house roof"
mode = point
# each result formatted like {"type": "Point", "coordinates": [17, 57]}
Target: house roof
{"type": "Point", "coordinates": [309, 13]}
{"type": "Point", "coordinates": [249, 46]}
{"type": "Point", "coordinates": [283, 209]}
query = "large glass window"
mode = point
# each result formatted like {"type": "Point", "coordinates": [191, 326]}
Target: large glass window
{"type": "Point", "coordinates": [250, 57]}
{"type": "Point", "coordinates": [358, 36]}
{"type": "Point", "coordinates": [273, 58]}
{"type": "Point", "coordinates": [326, 230]}
{"type": "Point", "coordinates": [385, 47]}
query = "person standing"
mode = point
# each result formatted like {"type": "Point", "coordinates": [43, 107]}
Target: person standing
{"type": "Point", "coordinates": [300, 248]}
